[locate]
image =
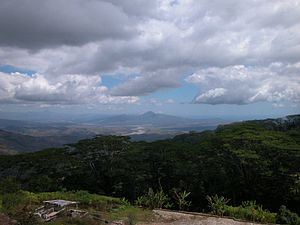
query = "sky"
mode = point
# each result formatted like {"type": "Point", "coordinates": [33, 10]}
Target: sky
{"type": "Point", "coordinates": [194, 58]}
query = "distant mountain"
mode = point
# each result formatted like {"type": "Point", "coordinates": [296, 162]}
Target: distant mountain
{"type": "Point", "coordinates": [151, 119]}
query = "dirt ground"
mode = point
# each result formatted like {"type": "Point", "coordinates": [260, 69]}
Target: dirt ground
{"type": "Point", "coordinates": [5, 220]}
{"type": "Point", "coordinates": [177, 218]}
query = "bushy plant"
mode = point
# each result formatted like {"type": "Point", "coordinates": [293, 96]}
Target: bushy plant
{"type": "Point", "coordinates": [181, 199]}
{"type": "Point", "coordinates": [249, 204]}
{"type": "Point", "coordinates": [250, 210]}
{"type": "Point", "coordinates": [217, 204]}
{"type": "Point", "coordinates": [285, 216]}
{"type": "Point", "coordinates": [153, 200]}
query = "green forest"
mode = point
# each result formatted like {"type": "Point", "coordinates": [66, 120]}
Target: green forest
{"type": "Point", "coordinates": [247, 162]}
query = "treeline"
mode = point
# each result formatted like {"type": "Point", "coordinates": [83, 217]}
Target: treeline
{"type": "Point", "coordinates": [255, 160]}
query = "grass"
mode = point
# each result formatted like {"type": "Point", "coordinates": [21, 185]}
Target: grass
{"type": "Point", "coordinates": [104, 207]}
{"type": "Point", "coordinates": [131, 213]}
{"type": "Point", "coordinates": [249, 210]}
{"type": "Point", "coordinates": [86, 200]}
{"type": "Point", "coordinates": [250, 214]}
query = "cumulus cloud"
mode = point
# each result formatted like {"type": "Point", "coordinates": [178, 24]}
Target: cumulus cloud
{"type": "Point", "coordinates": [242, 85]}
{"type": "Point", "coordinates": [68, 89]}
{"type": "Point", "coordinates": [159, 42]}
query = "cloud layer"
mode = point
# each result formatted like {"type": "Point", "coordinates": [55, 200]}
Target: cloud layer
{"type": "Point", "coordinates": [238, 52]}
{"type": "Point", "coordinates": [35, 24]}
{"type": "Point", "coordinates": [68, 89]}
{"type": "Point", "coordinates": [243, 85]}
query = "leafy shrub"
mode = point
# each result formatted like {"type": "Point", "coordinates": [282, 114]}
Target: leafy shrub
{"type": "Point", "coordinates": [217, 204]}
{"type": "Point", "coordinates": [249, 210]}
{"type": "Point", "coordinates": [257, 214]}
{"type": "Point", "coordinates": [285, 216]}
{"type": "Point", "coordinates": [249, 204]}
{"type": "Point", "coordinates": [153, 200]}
{"type": "Point", "coordinates": [180, 198]}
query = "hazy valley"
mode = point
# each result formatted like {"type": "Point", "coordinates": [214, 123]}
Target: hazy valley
{"type": "Point", "coordinates": [34, 134]}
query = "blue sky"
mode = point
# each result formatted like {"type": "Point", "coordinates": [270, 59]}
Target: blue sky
{"type": "Point", "coordinates": [12, 69]}
{"type": "Point", "coordinates": [206, 59]}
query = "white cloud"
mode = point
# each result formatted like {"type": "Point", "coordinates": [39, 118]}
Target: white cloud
{"type": "Point", "coordinates": [159, 102]}
{"type": "Point", "coordinates": [243, 85]}
{"type": "Point", "coordinates": [215, 94]}
{"type": "Point", "coordinates": [68, 89]}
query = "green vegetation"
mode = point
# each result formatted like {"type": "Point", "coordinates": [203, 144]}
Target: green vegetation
{"type": "Point", "coordinates": [285, 216]}
{"type": "Point", "coordinates": [153, 200]}
{"type": "Point", "coordinates": [217, 204]}
{"type": "Point", "coordinates": [251, 211]}
{"type": "Point", "coordinates": [21, 204]}
{"type": "Point", "coordinates": [257, 160]}
{"type": "Point", "coordinates": [181, 199]}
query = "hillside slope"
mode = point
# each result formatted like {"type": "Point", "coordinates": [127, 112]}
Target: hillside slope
{"type": "Point", "coordinates": [252, 160]}
{"type": "Point", "coordinates": [12, 143]}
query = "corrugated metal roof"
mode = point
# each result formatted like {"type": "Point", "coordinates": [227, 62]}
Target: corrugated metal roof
{"type": "Point", "coordinates": [60, 202]}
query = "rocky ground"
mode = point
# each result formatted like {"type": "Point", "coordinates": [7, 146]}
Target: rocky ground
{"type": "Point", "coordinates": [164, 217]}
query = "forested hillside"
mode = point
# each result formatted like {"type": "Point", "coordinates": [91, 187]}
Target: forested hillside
{"type": "Point", "coordinates": [13, 142]}
{"type": "Point", "coordinates": [252, 160]}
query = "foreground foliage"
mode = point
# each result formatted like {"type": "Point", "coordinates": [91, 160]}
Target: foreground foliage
{"type": "Point", "coordinates": [217, 204]}
{"type": "Point", "coordinates": [251, 211]}
{"type": "Point", "coordinates": [285, 216]}
{"type": "Point", "coordinates": [153, 200]}
{"type": "Point", "coordinates": [21, 204]}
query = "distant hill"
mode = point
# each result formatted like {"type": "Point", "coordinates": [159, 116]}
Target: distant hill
{"type": "Point", "coordinates": [291, 122]}
{"type": "Point", "coordinates": [12, 143]}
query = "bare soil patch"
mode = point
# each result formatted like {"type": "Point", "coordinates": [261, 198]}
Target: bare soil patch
{"type": "Point", "coordinates": [5, 220]}
{"type": "Point", "coordinates": [164, 217]}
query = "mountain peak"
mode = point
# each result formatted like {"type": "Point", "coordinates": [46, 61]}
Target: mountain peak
{"type": "Point", "coordinates": [149, 113]}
